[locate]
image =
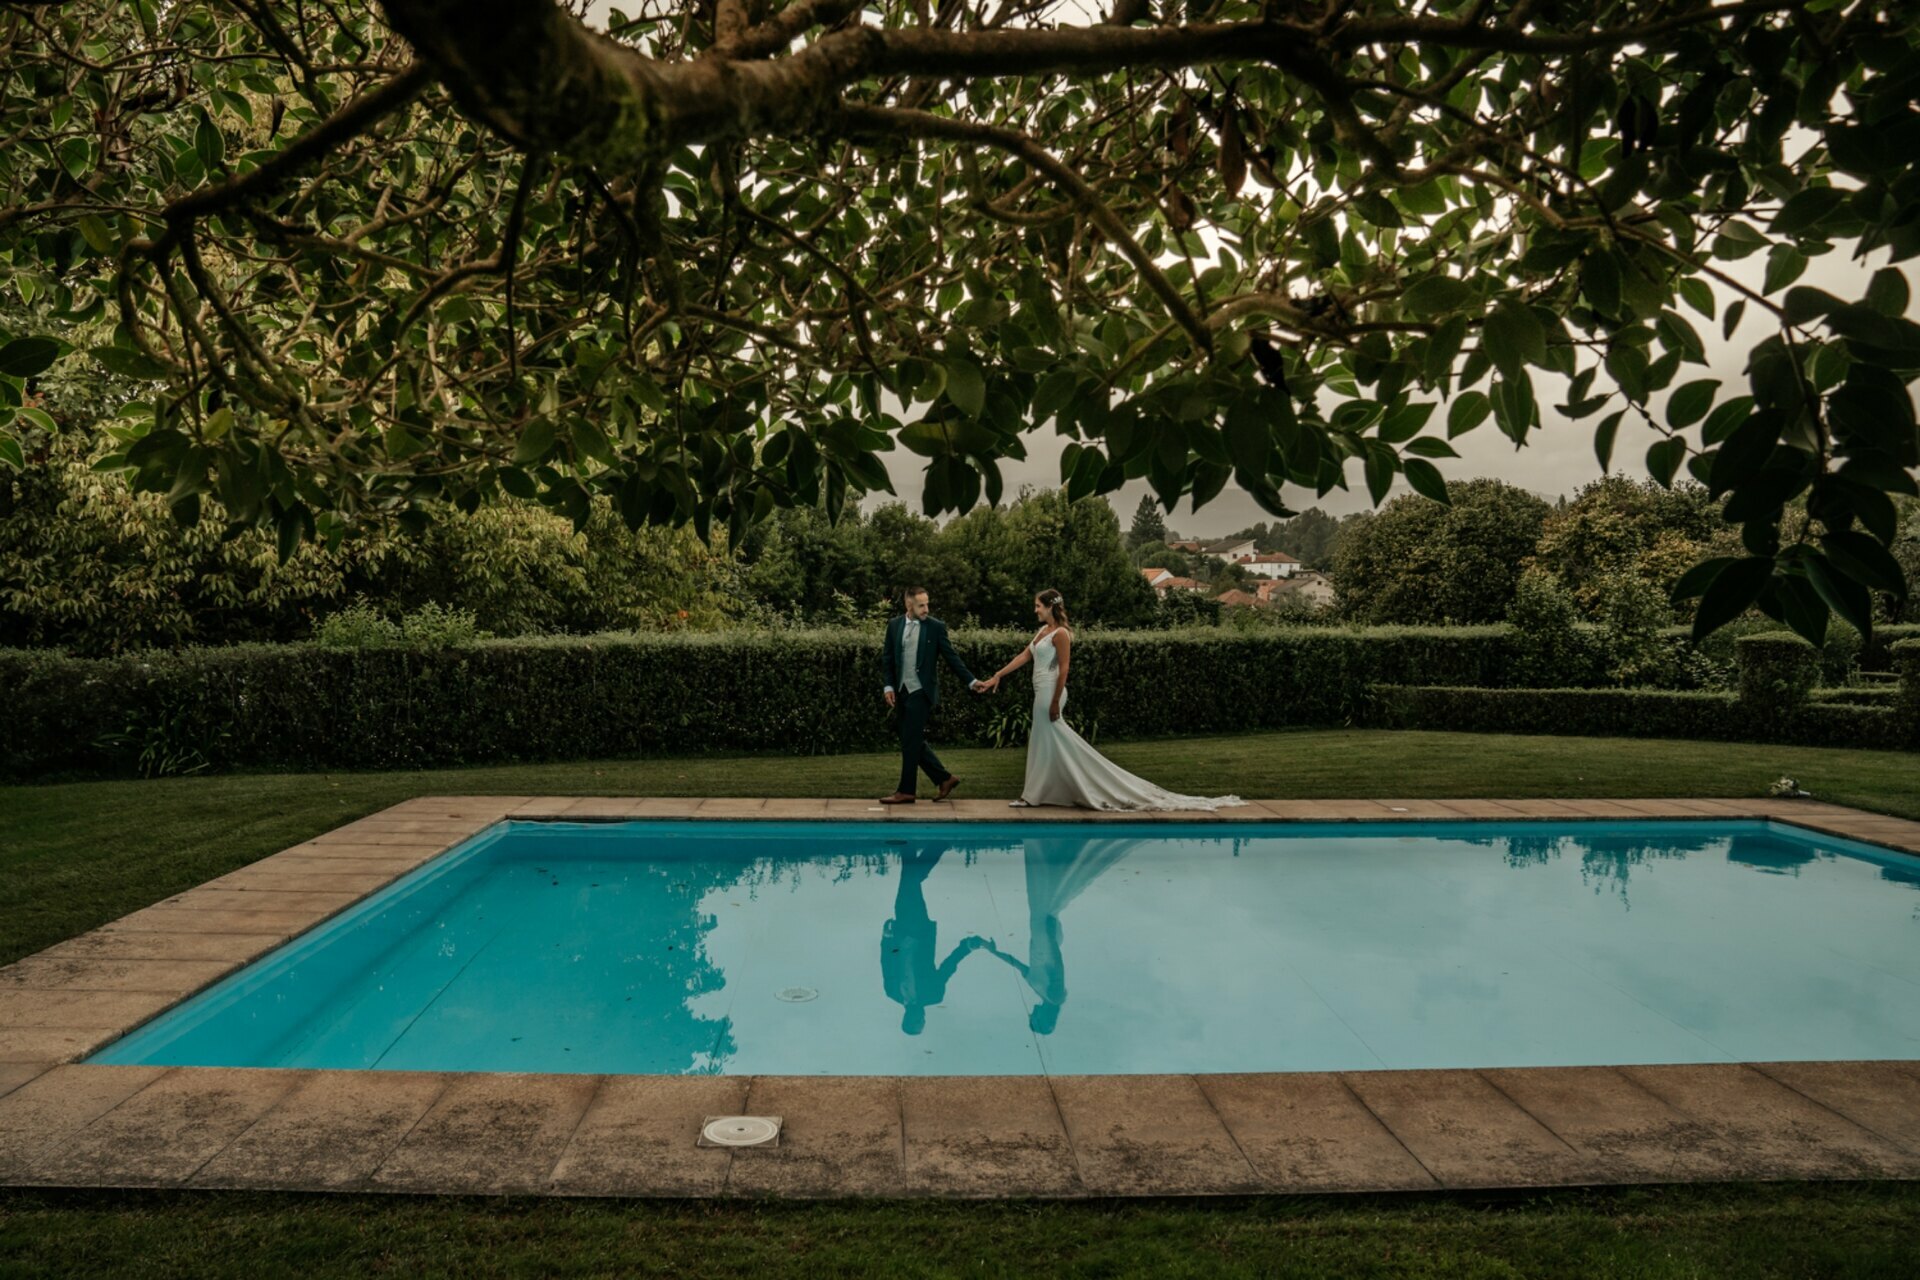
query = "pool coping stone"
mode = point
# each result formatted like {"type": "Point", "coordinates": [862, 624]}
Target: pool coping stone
{"type": "Point", "coordinates": [67, 1123]}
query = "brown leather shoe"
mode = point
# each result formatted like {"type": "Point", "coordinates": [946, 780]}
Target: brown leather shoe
{"type": "Point", "coordinates": [946, 788]}
{"type": "Point", "coordinates": [898, 797]}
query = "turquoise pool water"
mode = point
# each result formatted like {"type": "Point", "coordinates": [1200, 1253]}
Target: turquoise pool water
{"type": "Point", "coordinates": [942, 949]}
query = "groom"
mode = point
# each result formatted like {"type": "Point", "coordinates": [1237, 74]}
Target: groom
{"type": "Point", "coordinates": [913, 688]}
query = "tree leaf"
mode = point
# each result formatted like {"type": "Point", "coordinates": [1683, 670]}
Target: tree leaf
{"type": "Point", "coordinates": [25, 357]}
{"type": "Point", "coordinates": [966, 386]}
{"type": "Point", "coordinates": [536, 441]}
{"type": "Point", "coordinates": [129, 363]}
{"type": "Point", "coordinates": [1249, 438]}
{"type": "Point", "coordinates": [1785, 264]}
{"type": "Point", "coordinates": [1664, 459]}
{"type": "Point", "coordinates": [1863, 559]}
{"type": "Point", "coordinates": [1603, 438]}
{"type": "Point", "coordinates": [1379, 465]}
{"type": "Point", "coordinates": [1469, 410]}
{"type": "Point", "coordinates": [1846, 597]}
{"type": "Point", "coordinates": [1514, 337]}
{"type": "Point", "coordinates": [1695, 581]}
{"type": "Point", "coordinates": [1806, 209]}
{"type": "Point", "coordinates": [1426, 479]}
{"type": "Point", "coordinates": [1435, 295]}
{"type": "Point", "coordinates": [1887, 292]}
{"type": "Point", "coordinates": [1688, 404]}
{"type": "Point", "coordinates": [1732, 593]}
{"type": "Point", "coordinates": [1804, 303]}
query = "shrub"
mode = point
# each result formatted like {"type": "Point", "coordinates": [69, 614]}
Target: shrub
{"type": "Point", "coordinates": [435, 626]}
{"type": "Point", "coordinates": [1187, 609]}
{"type": "Point", "coordinates": [565, 698]}
{"type": "Point", "coordinates": [1638, 713]}
{"type": "Point", "coordinates": [1632, 610]}
{"type": "Point", "coordinates": [1777, 670]}
{"type": "Point", "coordinates": [358, 626]}
{"type": "Point", "coordinates": [1550, 648]}
{"type": "Point", "coordinates": [1906, 660]}
{"type": "Point", "coordinates": [1878, 656]}
{"type": "Point", "coordinates": [363, 626]}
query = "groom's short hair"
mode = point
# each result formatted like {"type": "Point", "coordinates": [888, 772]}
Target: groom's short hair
{"type": "Point", "coordinates": [908, 593]}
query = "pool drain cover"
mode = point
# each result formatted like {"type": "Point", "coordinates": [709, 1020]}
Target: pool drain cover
{"type": "Point", "coordinates": [797, 995]}
{"type": "Point", "coordinates": [740, 1131]}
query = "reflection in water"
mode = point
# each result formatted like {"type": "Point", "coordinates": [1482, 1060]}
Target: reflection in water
{"type": "Point", "coordinates": [1606, 861]}
{"type": "Point", "coordinates": [1765, 853]}
{"type": "Point", "coordinates": [908, 942]}
{"type": "Point", "coordinates": [1057, 870]}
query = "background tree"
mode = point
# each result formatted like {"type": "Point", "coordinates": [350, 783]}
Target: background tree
{"type": "Point", "coordinates": [1149, 528]}
{"type": "Point", "coordinates": [1311, 537]}
{"type": "Point", "coordinates": [1418, 561]}
{"type": "Point", "coordinates": [1617, 527]}
{"type": "Point", "coordinates": [368, 260]}
{"type": "Point", "coordinates": [1177, 563]}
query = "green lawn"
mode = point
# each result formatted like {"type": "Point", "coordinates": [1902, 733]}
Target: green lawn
{"type": "Point", "coordinates": [75, 855]}
{"type": "Point", "coordinates": [1747, 1232]}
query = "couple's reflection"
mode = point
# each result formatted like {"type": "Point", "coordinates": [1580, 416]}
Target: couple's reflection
{"type": "Point", "coordinates": [1057, 868]}
{"type": "Point", "coordinates": [909, 941]}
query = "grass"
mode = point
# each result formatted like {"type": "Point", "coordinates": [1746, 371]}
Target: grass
{"type": "Point", "coordinates": [76, 855]}
{"type": "Point", "coordinates": [1859, 1230]}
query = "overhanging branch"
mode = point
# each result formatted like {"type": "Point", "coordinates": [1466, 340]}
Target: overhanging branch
{"type": "Point", "coordinates": [886, 122]}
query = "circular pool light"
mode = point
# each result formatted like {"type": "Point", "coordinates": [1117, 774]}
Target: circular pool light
{"type": "Point", "coordinates": [740, 1131]}
{"type": "Point", "coordinates": [797, 995]}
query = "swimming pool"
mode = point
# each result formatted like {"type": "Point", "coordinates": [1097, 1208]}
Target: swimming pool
{"type": "Point", "coordinates": [1066, 948]}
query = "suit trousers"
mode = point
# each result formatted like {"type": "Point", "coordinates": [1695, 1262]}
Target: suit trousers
{"type": "Point", "coordinates": [915, 710]}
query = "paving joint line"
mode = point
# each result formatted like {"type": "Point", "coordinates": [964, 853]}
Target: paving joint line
{"type": "Point", "coordinates": [1388, 1129]}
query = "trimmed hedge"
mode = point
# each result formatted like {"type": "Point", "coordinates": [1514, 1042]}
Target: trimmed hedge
{"type": "Point", "coordinates": [1905, 656]}
{"type": "Point", "coordinates": [1777, 670]}
{"type": "Point", "coordinates": [1879, 655]}
{"type": "Point", "coordinates": [1840, 655]}
{"type": "Point", "coordinates": [569, 698]}
{"type": "Point", "coordinates": [1864, 695]}
{"type": "Point", "coordinates": [1640, 713]}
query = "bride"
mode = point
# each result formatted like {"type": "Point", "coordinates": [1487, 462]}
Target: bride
{"type": "Point", "coordinates": [1061, 767]}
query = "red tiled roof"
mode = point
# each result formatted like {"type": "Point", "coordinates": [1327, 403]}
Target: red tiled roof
{"type": "Point", "coordinates": [1236, 596]}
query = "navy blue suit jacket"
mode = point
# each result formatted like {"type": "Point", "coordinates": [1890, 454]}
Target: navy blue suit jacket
{"type": "Point", "coordinates": [933, 640]}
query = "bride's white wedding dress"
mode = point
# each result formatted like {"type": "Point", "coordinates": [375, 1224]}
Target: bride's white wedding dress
{"type": "Point", "coordinates": [1062, 768]}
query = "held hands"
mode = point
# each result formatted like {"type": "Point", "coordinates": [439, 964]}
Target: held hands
{"type": "Point", "coordinates": [990, 685]}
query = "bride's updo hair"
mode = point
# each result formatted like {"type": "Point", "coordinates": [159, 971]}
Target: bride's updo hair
{"type": "Point", "coordinates": [1056, 606]}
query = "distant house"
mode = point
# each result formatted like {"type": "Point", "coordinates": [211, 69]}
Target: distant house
{"type": "Point", "coordinates": [1272, 564]}
{"type": "Point", "coordinates": [1191, 548]}
{"type": "Point", "coordinates": [1232, 550]}
{"type": "Point", "coordinates": [1162, 582]}
{"type": "Point", "coordinates": [1236, 599]}
{"type": "Point", "coordinates": [1305, 584]}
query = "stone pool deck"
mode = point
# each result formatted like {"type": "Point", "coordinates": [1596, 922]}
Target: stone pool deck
{"type": "Point", "coordinates": [68, 1124]}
